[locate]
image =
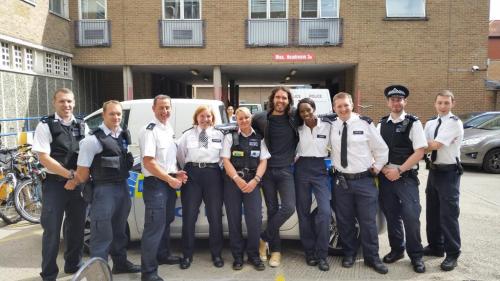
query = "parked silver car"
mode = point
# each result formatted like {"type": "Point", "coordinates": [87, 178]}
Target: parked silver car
{"type": "Point", "coordinates": [481, 146]}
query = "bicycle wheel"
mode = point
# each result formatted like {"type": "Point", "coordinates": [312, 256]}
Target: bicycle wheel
{"type": "Point", "coordinates": [8, 210]}
{"type": "Point", "coordinates": [28, 200]}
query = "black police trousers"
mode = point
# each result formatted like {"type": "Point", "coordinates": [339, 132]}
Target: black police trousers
{"type": "Point", "coordinates": [159, 201]}
{"type": "Point", "coordinates": [252, 209]}
{"type": "Point", "coordinates": [58, 203]}
{"type": "Point", "coordinates": [203, 184]}
{"type": "Point", "coordinates": [401, 206]}
{"type": "Point", "coordinates": [442, 197]}
{"type": "Point", "coordinates": [358, 200]}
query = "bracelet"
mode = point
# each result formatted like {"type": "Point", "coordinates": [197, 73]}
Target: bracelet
{"type": "Point", "coordinates": [71, 174]}
{"type": "Point", "coordinates": [235, 176]}
{"type": "Point", "coordinates": [399, 171]}
{"type": "Point", "coordinates": [257, 179]}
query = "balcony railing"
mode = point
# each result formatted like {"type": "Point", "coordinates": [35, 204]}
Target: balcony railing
{"type": "Point", "coordinates": [314, 32]}
{"type": "Point", "coordinates": [291, 32]}
{"type": "Point", "coordinates": [267, 32]}
{"type": "Point", "coordinates": [182, 33]}
{"type": "Point", "coordinates": [93, 33]}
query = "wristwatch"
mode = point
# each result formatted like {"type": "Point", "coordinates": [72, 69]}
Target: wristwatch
{"type": "Point", "coordinates": [71, 174]}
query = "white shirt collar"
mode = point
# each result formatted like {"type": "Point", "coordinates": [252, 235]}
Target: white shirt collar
{"type": "Point", "coordinates": [160, 124]}
{"type": "Point", "coordinates": [107, 131]}
{"type": "Point", "coordinates": [199, 129]}
{"type": "Point", "coordinates": [57, 117]}
{"type": "Point", "coordinates": [445, 116]}
{"type": "Point", "coordinates": [399, 119]}
{"type": "Point", "coordinates": [319, 124]}
{"type": "Point", "coordinates": [240, 132]}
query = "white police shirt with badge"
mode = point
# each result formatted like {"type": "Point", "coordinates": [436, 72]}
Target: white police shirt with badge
{"type": "Point", "coordinates": [43, 137]}
{"type": "Point", "coordinates": [450, 134]}
{"type": "Point", "coordinates": [157, 140]}
{"type": "Point", "coordinates": [365, 146]}
{"type": "Point", "coordinates": [416, 135]}
{"type": "Point", "coordinates": [90, 146]}
{"type": "Point", "coordinates": [228, 142]}
{"type": "Point", "coordinates": [190, 150]}
{"type": "Point", "coordinates": [315, 142]}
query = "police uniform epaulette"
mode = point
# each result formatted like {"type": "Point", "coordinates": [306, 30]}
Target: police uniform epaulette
{"type": "Point", "coordinates": [383, 119]}
{"type": "Point", "coordinates": [45, 119]}
{"type": "Point", "coordinates": [94, 131]}
{"type": "Point", "coordinates": [411, 117]}
{"type": "Point", "coordinates": [453, 117]}
{"type": "Point", "coordinates": [366, 118]}
{"type": "Point", "coordinates": [328, 117]}
{"type": "Point", "coordinates": [150, 126]}
{"type": "Point", "coordinates": [432, 118]}
{"type": "Point", "coordinates": [227, 128]}
{"type": "Point", "coordinates": [187, 129]}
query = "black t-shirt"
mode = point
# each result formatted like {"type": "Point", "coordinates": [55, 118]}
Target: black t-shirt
{"type": "Point", "coordinates": [282, 141]}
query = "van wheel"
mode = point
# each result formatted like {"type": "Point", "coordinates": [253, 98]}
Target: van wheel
{"type": "Point", "coordinates": [491, 162]}
{"type": "Point", "coordinates": [334, 241]}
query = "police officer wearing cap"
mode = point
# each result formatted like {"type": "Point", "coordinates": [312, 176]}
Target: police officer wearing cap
{"type": "Point", "coordinates": [311, 177]}
{"type": "Point", "coordinates": [358, 152]}
{"type": "Point", "coordinates": [444, 135]}
{"type": "Point", "coordinates": [398, 181]}
{"type": "Point", "coordinates": [104, 156]}
{"type": "Point", "coordinates": [56, 142]}
{"type": "Point", "coordinates": [245, 158]}
{"type": "Point", "coordinates": [198, 154]}
{"type": "Point", "coordinates": [162, 179]}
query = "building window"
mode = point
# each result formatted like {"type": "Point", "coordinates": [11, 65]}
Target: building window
{"type": "Point", "coordinates": [181, 9]}
{"type": "Point", "coordinates": [48, 63]}
{"type": "Point", "coordinates": [18, 57]}
{"type": "Point", "coordinates": [405, 8]}
{"type": "Point", "coordinates": [93, 9]}
{"type": "Point", "coordinates": [319, 9]}
{"type": "Point", "coordinates": [268, 9]}
{"type": "Point", "coordinates": [5, 54]}
{"type": "Point", "coordinates": [65, 67]}
{"type": "Point", "coordinates": [59, 7]}
{"type": "Point", "coordinates": [29, 59]}
{"type": "Point", "coordinates": [57, 65]}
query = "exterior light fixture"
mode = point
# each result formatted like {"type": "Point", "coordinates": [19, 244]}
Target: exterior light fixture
{"type": "Point", "coordinates": [293, 72]}
{"type": "Point", "coordinates": [205, 78]}
{"type": "Point", "coordinates": [195, 72]}
{"type": "Point", "coordinates": [287, 78]}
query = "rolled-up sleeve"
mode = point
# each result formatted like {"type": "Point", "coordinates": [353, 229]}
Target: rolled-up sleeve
{"type": "Point", "coordinates": [42, 138]}
{"type": "Point", "coordinates": [264, 152]}
{"type": "Point", "coordinates": [226, 148]}
{"type": "Point", "coordinates": [378, 147]}
{"type": "Point", "coordinates": [89, 147]}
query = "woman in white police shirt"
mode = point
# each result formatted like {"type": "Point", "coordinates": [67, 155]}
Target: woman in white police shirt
{"type": "Point", "coordinates": [311, 177]}
{"type": "Point", "coordinates": [245, 160]}
{"type": "Point", "coordinates": [198, 153]}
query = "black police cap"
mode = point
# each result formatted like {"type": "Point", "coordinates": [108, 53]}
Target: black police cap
{"type": "Point", "coordinates": [396, 90]}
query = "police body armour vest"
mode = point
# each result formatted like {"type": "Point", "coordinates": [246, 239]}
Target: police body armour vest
{"type": "Point", "coordinates": [245, 151]}
{"type": "Point", "coordinates": [64, 147]}
{"type": "Point", "coordinates": [397, 138]}
{"type": "Point", "coordinates": [113, 163]}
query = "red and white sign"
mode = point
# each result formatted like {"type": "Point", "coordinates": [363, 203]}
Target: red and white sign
{"type": "Point", "coordinates": [293, 57]}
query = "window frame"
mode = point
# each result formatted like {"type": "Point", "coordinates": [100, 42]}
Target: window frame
{"type": "Point", "coordinates": [80, 15]}
{"type": "Point", "coordinates": [181, 9]}
{"type": "Point", "coordinates": [268, 11]}
{"type": "Point", "coordinates": [318, 9]}
{"type": "Point", "coordinates": [403, 17]}
{"type": "Point", "coordinates": [64, 6]}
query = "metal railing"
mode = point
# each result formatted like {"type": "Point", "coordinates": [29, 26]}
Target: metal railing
{"type": "Point", "coordinates": [266, 32]}
{"type": "Point", "coordinates": [93, 33]}
{"type": "Point", "coordinates": [293, 32]}
{"type": "Point", "coordinates": [182, 33]}
{"type": "Point", "coordinates": [320, 32]}
{"type": "Point", "coordinates": [28, 125]}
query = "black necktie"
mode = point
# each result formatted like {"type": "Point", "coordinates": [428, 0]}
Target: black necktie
{"type": "Point", "coordinates": [435, 152]}
{"type": "Point", "coordinates": [343, 147]}
{"type": "Point", "coordinates": [203, 139]}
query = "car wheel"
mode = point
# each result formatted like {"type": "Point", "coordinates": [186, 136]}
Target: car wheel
{"type": "Point", "coordinates": [491, 162]}
{"type": "Point", "coordinates": [334, 242]}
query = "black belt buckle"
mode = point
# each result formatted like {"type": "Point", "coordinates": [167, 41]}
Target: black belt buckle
{"type": "Point", "coordinates": [341, 181]}
{"type": "Point", "coordinates": [202, 165]}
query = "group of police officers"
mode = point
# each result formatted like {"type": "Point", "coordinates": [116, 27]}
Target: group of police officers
{"type": "Point", "coordinates": [280, 151]}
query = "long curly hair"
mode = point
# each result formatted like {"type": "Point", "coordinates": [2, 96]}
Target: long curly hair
{"type": "Point", "coordinates": [271, 99]}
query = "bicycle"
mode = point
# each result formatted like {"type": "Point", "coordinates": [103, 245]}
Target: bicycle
{"type": "Point", "coordinates": [8, 183]}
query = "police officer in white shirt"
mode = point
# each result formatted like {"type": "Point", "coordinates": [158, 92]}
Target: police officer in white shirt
{"type": "Point", "coordinates": [104, 155]}
{"type": "Point", "coordinates": [161, 180]}
{"type": "Point", "coordinates": [311, 177]}
{"type": "Point", "coordinates": [398, 181]}
{"type": "Point", "coordinates": [245, 160]}
{"type": "Point", "coordinates": [198, 154]}
{"type": "Point", "coordinates": [444, 134]}
{"type": "Point", "coordinates": [56, 142]}
{"type": "Point", "coordinates": [358, 152]}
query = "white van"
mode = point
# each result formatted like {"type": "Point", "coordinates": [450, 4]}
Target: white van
{"type": "Point", "coordinates": [321, 98]}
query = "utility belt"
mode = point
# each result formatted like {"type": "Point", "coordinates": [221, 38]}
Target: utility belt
{"type": "Point", "coordinates": [410, 173]}
{"type": "Point", "coordinates": [246, 174]}
{"type": "Point", "coordinates": [54, 177]}
{"type": "Point", "coordinates": [203, 165]}
{"type": "Point", "coordinates": [353, 176]}
{"type": "Point", "coordinates": [447, 167]}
